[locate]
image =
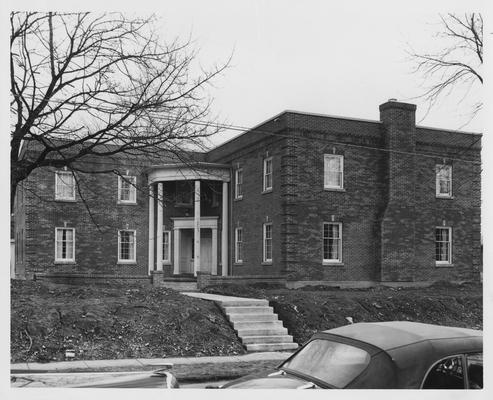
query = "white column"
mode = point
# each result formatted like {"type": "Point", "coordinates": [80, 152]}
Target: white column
{"type": "Point", "coordinates": [176, 251]}
{"type": "Point", "coordinates": [196, 224]}
{"type": "Point", "coordinates": [151, 228]}
{"type": "Point", "coordinates": [159, 228]}
{"type": "Point", "coordinates": [214, 251]}
{"type": "Point", "coordinates": [224, 231]}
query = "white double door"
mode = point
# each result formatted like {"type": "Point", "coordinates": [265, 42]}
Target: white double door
{"type": "Point", "coordinates": [187, 251]}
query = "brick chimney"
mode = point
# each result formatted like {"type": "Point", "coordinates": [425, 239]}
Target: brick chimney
{"type": "Point", "coordinates": [399, 217]}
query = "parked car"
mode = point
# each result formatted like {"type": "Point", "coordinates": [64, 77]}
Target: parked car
{"type": "Point", "coordinates": [380, 355]}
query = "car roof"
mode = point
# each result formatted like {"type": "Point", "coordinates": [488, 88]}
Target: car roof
{"type": "Point", "coordinates": [390, 335]}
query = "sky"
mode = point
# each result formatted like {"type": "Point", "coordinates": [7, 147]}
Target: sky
{"type": "Point", "coordinates": [314, 57]}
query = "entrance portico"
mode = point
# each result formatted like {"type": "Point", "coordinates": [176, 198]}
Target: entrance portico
{"type": "Point", "coordinates": [194, 239]}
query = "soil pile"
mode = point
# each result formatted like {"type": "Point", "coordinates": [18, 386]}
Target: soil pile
{"type": "Point", "coordinates": [53, 322]}
{"type": "Point", "coordinates": [311, 309]}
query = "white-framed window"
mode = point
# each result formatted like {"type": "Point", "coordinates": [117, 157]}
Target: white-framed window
{"type": "Point", "coordinates": [166, 246]}
{"type": "Point", "coordinates": [184, 194]}
{"type": "Point", "coordinates": [127, 189]}
{"type": "Point", "coordinates": [267, 242]}
{"type": "Point", "coordinates": [239, 183]}
{"type": "Point", "coordinates": [267, 181]}
{"type": "Point", "coordinates": [332, 242]}
{"type": "Point", "coordinates": [64, 244]}
{"type": "Point", "coordinates": [443, 180]}
{"type": "Point", "coordinates": [333, 171]}
{"type": "Point", "coordinates": [443, 245]}
{"type": "Point", "coordinates": [64, 185]}
{"type": "Point", "coordinates": [126, 246]}
{"type": "Point", "coordinates": [239, 245]}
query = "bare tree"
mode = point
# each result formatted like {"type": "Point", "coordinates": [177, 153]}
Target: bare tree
{"type": "Point", "coordinates": [458, 62]}
{"type": "Point", "coordinates": [85, 84]}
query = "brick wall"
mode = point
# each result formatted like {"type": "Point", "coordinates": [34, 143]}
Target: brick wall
{"type": "Point", "coordinates": [96, 221]}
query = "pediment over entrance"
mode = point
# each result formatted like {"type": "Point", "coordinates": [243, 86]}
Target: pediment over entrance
{"type": "Point", "coordinates": [188, 222]}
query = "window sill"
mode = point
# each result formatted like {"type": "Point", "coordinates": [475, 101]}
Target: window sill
{"type": "Point", "coordinates": [166, 262]}
{"type": "Point", "coordinates": [331, 189]}
{"type": "Point", "coordinates": [266, 262]}
{"type": "Point", "coordinates": [267, 191]}
{"type": "Point", "coordinates": [333, 263]}
{"type": "Point", "coordinates": [66, 200]}
{"type": "Point", "coordinates": [443, 265]}
{"type": "Point", "coordinates": [126, 262]}
{"type": "Point", "coordinates": [240, 263]}
{"type": "Point", "coordinates": [72, 262]}
{"type": "Point", "coordinates": [126, 203]}
{"type": "Point", "coordinates": [238, 198]}
{"type": "Point", "coordinates": [445, 197]}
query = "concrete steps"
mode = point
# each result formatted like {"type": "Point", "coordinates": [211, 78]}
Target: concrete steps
{"type": "Point", "coordinates": [256, 324]}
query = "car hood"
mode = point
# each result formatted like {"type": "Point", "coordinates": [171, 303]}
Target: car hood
{"type": "Point", "coordinates": [273, 380]}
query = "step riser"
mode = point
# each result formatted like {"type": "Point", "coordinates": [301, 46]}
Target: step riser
{"type": "Point", "coordinates": [249, 310]}
{"type": "Point", "coordinates": [271, 346]}
{"type": "Point", "coordinates": [262, 332]}
{"type": "Point", "coordinates": [244, 303]}
{"type": "Point", "coordinates": [267, 339]}
{"type": "Point", "coordinates": [252, 317]}
{"type": "Point", "coordinates": [257, 324]}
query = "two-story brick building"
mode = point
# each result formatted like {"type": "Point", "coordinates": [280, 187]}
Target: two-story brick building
{"type": "Point", "coordinates": [300, 198]}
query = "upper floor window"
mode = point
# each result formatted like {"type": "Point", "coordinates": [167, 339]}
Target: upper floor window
{"type": "Point", "coordinates": [267, 245]}
{"type": "Point", "coordinates": [333, 171]}
{"type": "Point", "coordinates": [64, 244]}
{"type": "Point", "coordinates": [239, 183]}
{"type": "Point", "coordinates": [332, 242]}
{"type": "Point", "coordinates": [184, 194]}
{"type": "Point", "coordinates": [267, 174]}
{"type": "Point", "coordinates": [126, 246]}
{"type": "Point", "coordinates": [443, 180]}
{"type": "Point", "coordinates": [238, 245]}
{"type": "Point", "coordinates": [443, 245]}
{"type": "Point", "coordinates": [127, 189]}
{"type": "Point", "coordinates": [64, 185]}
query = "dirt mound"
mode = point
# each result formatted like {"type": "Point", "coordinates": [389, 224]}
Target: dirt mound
{"type": "Point", "coordinates": [113, 321]}
{"type": "Point", "coordinates": [311, 309]}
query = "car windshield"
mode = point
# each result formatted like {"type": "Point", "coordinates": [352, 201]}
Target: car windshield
{"type": "Point", "coordinates": [334, 363]}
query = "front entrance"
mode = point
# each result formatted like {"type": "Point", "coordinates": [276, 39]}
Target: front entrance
{"type": "Point", "coordinates": [186, 260]}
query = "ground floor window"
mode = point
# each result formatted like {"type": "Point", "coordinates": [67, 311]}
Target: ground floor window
{"type": "Point", "coordinates": [238, 245]}
{"type": "Point", "coordinates": [64, 244]}
{"type": "Point", "coordinates": [166, 246]}
{"type": "Point", "coordinates": [126, 246]}
{"type": "Point", "coordinates": [443, 245]}
{"type": "Point", "coordinates": [267, 247]}
{"type": "Point", "coordinates": [332, 242]}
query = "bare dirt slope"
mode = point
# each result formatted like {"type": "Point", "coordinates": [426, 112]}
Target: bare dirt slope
{"type": "Point", "coordinates": [308, 310]}
{"type": "Point", "coordinates": [113, 321]}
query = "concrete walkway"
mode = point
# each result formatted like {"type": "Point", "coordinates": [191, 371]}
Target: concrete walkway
{"type": "Point", "coordinates": [143, 364]}
{"type": "Point", "coordinates": [219, 298]}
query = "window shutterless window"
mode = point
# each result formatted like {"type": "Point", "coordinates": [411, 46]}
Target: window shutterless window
{"type": "Point", "coordinates": [443, 180]}
{"type": "Point", "coordinates": [64, 185]}
{"type": "Point", "coordinates": [239, 183]}
{"type": "Point", "coordinates": [64, 244]}
{"type": "Point", "coordinates": [267, 242]}
{"type": "Point", "coordinates": [443, 245]}
{"type": "Point", "coordinates": [127, 190]}
{"type": "Point", "coordinates": [126, 246]}
{"type": "Point", "coordinates": [333, 171]}
{"type": "Point", "coordinates": [238, 245]}
{"type": "Point", "coordinates": [267, 174]}
{"type": "Point", "coordinates": [166, 246]}
{"type": "Point", "coordinates": [332, 242]}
